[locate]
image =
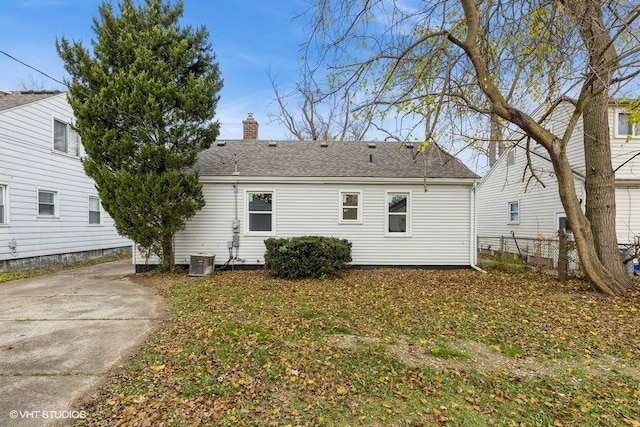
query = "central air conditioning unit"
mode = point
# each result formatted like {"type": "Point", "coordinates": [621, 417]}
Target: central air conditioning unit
{"type": "Point", "coordinates": [202, 264]}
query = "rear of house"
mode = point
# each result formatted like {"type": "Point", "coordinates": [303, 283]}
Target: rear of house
{"type": "Point", "coordinates": [396, 206]}
{"type": "Point", "coordinates": [49, 208]}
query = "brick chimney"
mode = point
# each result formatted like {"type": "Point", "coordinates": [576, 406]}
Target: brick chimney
{"type": "Point", "coordinates": [250, 128]}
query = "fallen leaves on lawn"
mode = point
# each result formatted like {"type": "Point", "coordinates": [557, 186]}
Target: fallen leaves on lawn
{"type": "Point", "coordinates": [381, 347]}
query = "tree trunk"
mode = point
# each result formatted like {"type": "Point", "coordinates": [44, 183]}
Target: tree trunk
{"type": "Point", "coordinates": [600, 208]}
{"type": "Point", "coordinates": [495, 139]}
{"type": "Point", "coordinates": [167, 252]}
{"type": "Point", "coordinates": [598, 274]}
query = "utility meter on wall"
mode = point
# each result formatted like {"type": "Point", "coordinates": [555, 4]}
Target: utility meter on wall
{"type": "Point", "coordinates": [235, 225]}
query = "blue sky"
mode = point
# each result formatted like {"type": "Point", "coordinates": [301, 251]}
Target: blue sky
{"type": "Point", "coordinates": [251, 38]}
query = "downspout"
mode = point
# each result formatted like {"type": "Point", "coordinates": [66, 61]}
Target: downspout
{"type": "Point", "coordinates": [473, 239]}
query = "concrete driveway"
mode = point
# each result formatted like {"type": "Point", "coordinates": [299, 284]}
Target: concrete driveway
{"type": "Point", "coordinates": [61, 334]}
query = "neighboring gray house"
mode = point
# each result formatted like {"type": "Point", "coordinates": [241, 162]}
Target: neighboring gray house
{"type": "Point", "coordinates": [49, 208]}
{"type": "Point", "coordinates": [396, 206]}
{"type": "Point", "coordinates": [506, 204]}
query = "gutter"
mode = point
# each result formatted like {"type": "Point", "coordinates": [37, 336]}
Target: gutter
{"type": "Point", "coordinates": [246, 179]}
{"type": "Point", "coordinates": [473, 240]}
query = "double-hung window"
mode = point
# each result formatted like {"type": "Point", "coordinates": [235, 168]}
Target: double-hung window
{"type": "Point", "coordinates": [3, 205]}
{"type": "Point", "coordinates": [398, 208]}
{"type": "Point", "coordinates": [47, 201]}
{"type": "Point", "coordinates": [65, 139]}
{"type": "Point", "coordinates": [350, 207]}
{"type": "Point", "coordinates": [94, 211]}
{"type": "Point", "coordinates": [624, 128]}
{"type": "Point", "coordinates": [260, 212]}
{"type": "Point", "coordinates": [513, 212]}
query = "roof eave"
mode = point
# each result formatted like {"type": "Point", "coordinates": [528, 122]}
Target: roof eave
{"type": "Point", "coordinates": [263, 180]}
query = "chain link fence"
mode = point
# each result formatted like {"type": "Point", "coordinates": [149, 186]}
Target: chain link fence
{"type": "Point", "coordinates": [512, 252]}
{"type": "Point", "coordinates": [517, 253]}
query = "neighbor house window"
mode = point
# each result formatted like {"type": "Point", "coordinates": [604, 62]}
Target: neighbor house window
{"type": "Point", "coordinates": [350, 206]}
{"type": "Point", "coordinates": [514, 212]}
{"type": "Point", "coordinates": [397, 213]}
{"type": "Point", "coordinates": [563, 223]}
{"type": "Point", "coordinates": [3, 204]}
{"type": "Point", "coordinates": [625, 128]}
{"type": "Point", "coordinates": [94, 210]}
{"type": "Point", "coordinates": [47, 203]}
{"type": "Point", "coordinates": [65, 139]}
{"type": "Point", "coordinates": [260, 212]}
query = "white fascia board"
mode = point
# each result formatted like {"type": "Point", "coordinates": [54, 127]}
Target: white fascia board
{"type": "Point", "coordinates": [334, 180]}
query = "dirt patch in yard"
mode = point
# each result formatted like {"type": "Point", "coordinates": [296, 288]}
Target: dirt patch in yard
{"type": "Point", "coordinates": [464, 355]}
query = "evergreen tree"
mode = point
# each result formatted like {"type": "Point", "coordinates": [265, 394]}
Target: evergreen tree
{"type": "Point", "coordinates": [144, 101]}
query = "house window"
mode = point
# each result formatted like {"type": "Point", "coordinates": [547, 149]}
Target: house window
{"type": "Point", "coordinates": [563, 223]}
{"type": "Point", "coordinates": [398, 208]}
{"type": "Point", "coordinates": [350, 206]}
{"type": "Point", "coordinates": [514, 212]}
{"type": "Point", "coordinates": [65, 139]}
{"type": "Point", "coordinates": [625, 128]}
{"type": "Point", "coordinates": [3, 204]}
{"type": "Point", "coordinates": [94, 210]}
{"type": "Point", "coordinates": [260, 211]}
{"type": "Point", "coordinates": [47, 203]}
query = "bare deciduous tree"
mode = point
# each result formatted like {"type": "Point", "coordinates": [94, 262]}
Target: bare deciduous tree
{"type": "Point", "coordinates": [496, 60]}
{"type": "Point", "coordinates": [309, 113]}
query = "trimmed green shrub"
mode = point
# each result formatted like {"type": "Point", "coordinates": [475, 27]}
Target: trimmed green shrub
{"type": "Point", "coordinates": [307, 256]}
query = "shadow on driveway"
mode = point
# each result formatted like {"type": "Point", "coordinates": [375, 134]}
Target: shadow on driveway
{"type": "Point", "coordinates": [61, 334]}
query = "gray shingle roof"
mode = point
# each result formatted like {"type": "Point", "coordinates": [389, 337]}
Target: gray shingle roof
{"type": "Point", "coordinates": [18, 98]}
{"type": "Point", "coordinates": [336, 159]}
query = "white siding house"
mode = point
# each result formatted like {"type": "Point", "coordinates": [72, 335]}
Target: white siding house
{"type": "Point", "coordinates": [509, 200]}
{"type": "Point", "coordinates": [49, 208]}
{"type": "Point", "coordinates": [372, 194]}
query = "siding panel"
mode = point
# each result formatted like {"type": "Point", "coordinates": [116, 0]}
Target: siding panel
{"type": "Point", "coordinates": [538, 205]}
{"type": "Point", "coordinates": [440, 223]}
{"type": "Point", "coordinates": [28, 163]}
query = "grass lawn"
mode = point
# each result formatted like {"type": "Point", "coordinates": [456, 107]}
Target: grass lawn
{"type": "Point", "coordinates": [378, 348]}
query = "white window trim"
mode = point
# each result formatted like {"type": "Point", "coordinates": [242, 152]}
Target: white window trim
{"type": "Point", "coordinates": [68, 134]}
{"type": "Point", "coordinates": [358, 220]}
{"type": "Point", "coordinates": [4, 191]}
{"type": "Point", "coordinates": [246, 230]}
{"type": "Point", "coordinates": [56, 204]}
{"type": "Point", "coordinates": [96, 224]}
{"type": "Point", "coordinates": [509, 203]}
{"type": "Point", "coordinates": [616, 120]}
{"type": "Point", "coordinates": [387, 233]}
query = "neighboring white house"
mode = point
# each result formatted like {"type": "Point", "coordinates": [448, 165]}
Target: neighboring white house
{"type": "Point", "coordinates": [49, 208]}
{"type": "Point", "coordinates": [396, 206]}
{"type": "Point", "coordinates": [510, 200]}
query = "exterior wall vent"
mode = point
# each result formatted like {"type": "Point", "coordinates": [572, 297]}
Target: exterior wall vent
{"type": "Point", "coordinates": [371, 144]}
{"type": "Point", "coordinates": [409, 144]}
{"type": "Point", "coordinates": [221, 143]}
{"type": "Point", "coordinates": [201, 264]}
{"type": "Point", "coordinates": [273, 143]}
{"type": "Point", "coordinates": [324, 144]}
